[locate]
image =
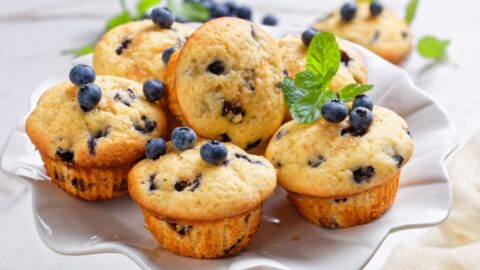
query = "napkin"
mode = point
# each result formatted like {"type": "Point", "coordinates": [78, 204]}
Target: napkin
{"type": "Point", "coordinates": [455, 244]}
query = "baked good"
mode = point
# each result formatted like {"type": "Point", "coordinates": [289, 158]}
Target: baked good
{"type": "Point", "coordinates": [385, 33]}
{"type": "Point", "coordinates": [336, 177]}
{"type": "Point", "coordinates": [202, 210]}
{"type": "Point", "coordinates": [135, 50]}
{"type": "Point", "coordinates": [89, 153]}
{"type": "Point", "coordinates": [225, 82]}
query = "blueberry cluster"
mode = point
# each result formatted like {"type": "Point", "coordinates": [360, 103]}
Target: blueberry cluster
{"type": "Point", "coordinates": [230, 8]}
{"type": "Point", "coordinates": [89, 94]}
{"type": "Point", "coordinates": [349, 10]}
{"type": "Point", "coordinates": [335, 111]}
{"type": "Point", "coordinates": [184, 138]}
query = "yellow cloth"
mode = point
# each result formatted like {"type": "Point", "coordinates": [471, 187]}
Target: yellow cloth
{"type": "Point", "coordinates": [455, 244]}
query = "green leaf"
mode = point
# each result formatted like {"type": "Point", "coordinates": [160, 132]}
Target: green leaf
{"type": "Point", "coordinates": [411, 11]}
{"type": "Point", "coordinates": [349, 92]}
{"type": "Point", "coordinates": [291, 92]}
{"type": "Point", "coordinates": [144, 5]}
{"type": "Point", "coordinates": [80, 51]}
{"type": "Point", "coordinates": [308, 108]}
{"type": "Point", "coordinates": [323, 56]}
{"type": "Point", "coordinates": [433, 48]}
{"type": "Point", "coordinates": [191, 10]}
{"type": "Point", "coordinates": [308, 80]}
{"type": "Point", "coordinates": [119, 19]}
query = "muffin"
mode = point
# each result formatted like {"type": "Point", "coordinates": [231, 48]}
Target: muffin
{"type": "Point", "coordinates": [294, 59]}
{"type": "Point", "coordinates": [202, 210]}
{"type": "Point", "coordinates": [138, 50]}
{"type": "Point", "coordinates": [336, 177]}
{"type": "Point", "coordinates": [225, 83]}
{"type": "Point", "coordinates": [379, 30]}
{"type": "Point", "coordinates": [89, 153]}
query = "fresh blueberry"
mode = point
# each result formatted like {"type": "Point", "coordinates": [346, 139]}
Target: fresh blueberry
{"type": "Point", "coordinates": [232, 7]}
{"type": "Point", "coordinates": [376, 8]}
{"type": "Point", "coordinates": [89, 96]}
{"type": "Point", "coordinates": [155, 148]}
{"type": "Point", "coordinates": [219, 10]}
{"type": "Point", "coordinates": [184, 138]}
{"type": "Point", "coordinates": [308, 35]}
{"type": "Point", "coordinates": [363, 101]}
{"type": "Point", "coordinates": [348, 11]}
{"type": "Point", "coordinates": [162, 17]}
{"type": "Point", "coordinates": [167, 54]}
{"type": "Point", "coordinates": [360, 119]}
{"type": "Point", "coordinates": [213, 152]}
{"type": "Point", "coordinates": [153, 90]}
{"type": "Point", "coordinates": [334, 111]}
{"type": "Point", "coordinates": [82, 74]}
{"type": "Point", "coordinates": [244, 12]}
{"type": "Point", "coordinates": [269, 20]}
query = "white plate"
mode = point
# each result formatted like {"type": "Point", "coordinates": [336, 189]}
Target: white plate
{"type": "Point", "coordinates": [285, 241]}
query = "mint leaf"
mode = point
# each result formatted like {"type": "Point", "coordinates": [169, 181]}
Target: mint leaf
{"type": "Point", "coordinates": [433, 48]}
{"type": "Point", "coordinates": [193, 11]}
{"type": "Point", "coordinates": [119, 19]}
{"type": "Point", "coordinates": [411, 11]}
{"type": "Point", "coordinates": [144, 5]}
{"type": "Point", "coordinates": [308, 80]}
{"type": "Point", "coordinates": [80, 51]}
{"type": "Point", "coordinates": [308, 108]}
{"type": "Point", "coordinates": [349, 92]}
{"type": "Point", "coordinates": [323, 56]}
{"type": "Point", "coordinates": [291, 92]}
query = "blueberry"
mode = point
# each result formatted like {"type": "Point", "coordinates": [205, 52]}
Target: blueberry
{"type": "Point", "coordinates": [184, 138]}
{"type": "Point", "coordinates": [219, 10]}
{"type": "Point", "coordinates": [334, 111]}
{"type": "Point", "coordinates": [155, 148]}
{"type": "Point", "coordinates": [360, 119]}
{"type": "Point", "coordinates": [167, 54]}
{"type": "Point", "coordinates": [82, 74]}
{"type": "Point", "coordinates": [376, 8]}
{"type": "Point", "coordinates": [232, 7]}
{"type": "Point", "coordinates": [308, 35]}
{"type": "Point", "coordinates": [244, 12]}
{"type": "Point", "coordinates": [162, 17]}
{"type": "Point", "coordinates": [89, 96]}
{"type": "Point", "coordinates": [269, 20]}
{"type": "Point", "coordinates": [213, 152]}
{"type": "Point", "coordinates": [348, 11]}
{"type": "Point", "coordinates": [153, 90]}
{"type": "Point", "coordinates": [363, 101]}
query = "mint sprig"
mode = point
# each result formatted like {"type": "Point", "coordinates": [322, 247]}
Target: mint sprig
{"type": "Point", "coordinates": [432, 48]}
{"type": "Point", "coordinates": [306, 95]}
{"type": "Point", "coordinates": [411, 11]}
{"type": "Point", "coordinates": [192, 11]}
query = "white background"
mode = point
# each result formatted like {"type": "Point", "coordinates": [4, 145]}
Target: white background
{"type": "Point", "coordinates": [33, 33]}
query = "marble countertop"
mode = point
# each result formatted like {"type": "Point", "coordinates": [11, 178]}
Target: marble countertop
{"type": "Point", "coordinates": [34, 33]}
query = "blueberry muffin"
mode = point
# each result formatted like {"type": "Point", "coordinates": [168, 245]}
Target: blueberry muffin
{"type": "Point", "coordinates": [198, 206]}
{"type": "Point", "coordinates": [138, 50]}
{"type": "Point", "coordinates": [226, 83]}
{"type": "Point", "coordinates": [373, 26]}
{"type": "Point", "coordinates": [88, 150]}
{"type": "Point", "coordinates": [294, 57]}
{"type": "Point", "coordinates": [337, 177]}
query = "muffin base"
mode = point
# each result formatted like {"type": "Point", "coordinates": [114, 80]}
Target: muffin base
{"type": "Point", "coordinates": [204, 239]}
{"type": "Point", "coordinates": [88, 183]}
{"type": "Point", "coordinates": [347, 211]}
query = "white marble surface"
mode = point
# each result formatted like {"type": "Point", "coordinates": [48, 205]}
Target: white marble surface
{"type": "Point", "coordinates": [35, 32]}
